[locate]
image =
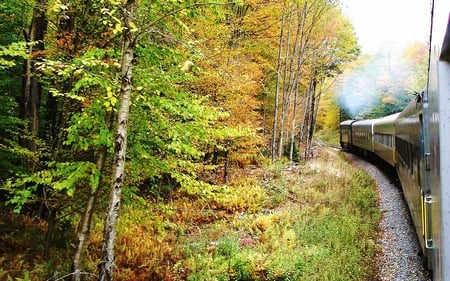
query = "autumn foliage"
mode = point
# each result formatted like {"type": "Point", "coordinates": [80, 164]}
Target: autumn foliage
{"type": "Point", "coordinates": [161, 106]}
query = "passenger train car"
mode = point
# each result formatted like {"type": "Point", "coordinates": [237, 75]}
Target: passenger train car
{"type": "Point", "coordinates": [362, 135]}
{"type": "Point", "coordinates": [416, 142]}
{"type": "Point", "coordinates": [384, 139]}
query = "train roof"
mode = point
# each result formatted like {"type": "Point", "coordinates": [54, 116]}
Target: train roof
{"type": "Point", "coordinates": [413, 107]}
{"type": "Point", "coordinates": [365, 122]}
{"type": "Point", "coordinates": [347, 122]}
{"type": "Point", "coordinates": [351, 121]}
{"type": "Point", "coordinates": [390, 119]}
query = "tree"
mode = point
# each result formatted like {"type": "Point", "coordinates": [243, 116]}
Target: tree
{"type": "Point", "coordinates": [383, 84]}
{"type": "Point", "coordinates": [147, 96]}
{"type": "Point", "coordinates": [316, 40]}
{"type": "Point", "coordinates": [131, 37]}
{"type": "Point", "coordinates": [32, 89]}
{"type": "Point", "coordinates": [15, 15]}
{"type": "Point", "coordinates": [236, 52]}
{"type": "Point", "coordinates": [129, 41]}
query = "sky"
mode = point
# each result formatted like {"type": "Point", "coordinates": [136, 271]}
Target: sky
{"type": "Point", "coordinates": [388, 23]}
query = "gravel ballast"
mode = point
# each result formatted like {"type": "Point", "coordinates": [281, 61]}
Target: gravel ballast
{"type": "Point", "coordinates": [400, 258]}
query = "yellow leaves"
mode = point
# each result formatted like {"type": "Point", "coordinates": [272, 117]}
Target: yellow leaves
{"type": "Point", "coordinates": [186, 66]}
{"type": "Point", "coordinates": [388, 99]}
{"type": "Point", "coordinates": [58, 7]}
{"type": "Point", "coordinates": [117, 28]}
{"type": "Point", "coordinates": [133, 27]}
{"type": "Point", "coordinates": [110, 100]}
{"type": "Point", "coordinates": [114, 22]}
{"type": "Point", "coordinates": [78, 73]}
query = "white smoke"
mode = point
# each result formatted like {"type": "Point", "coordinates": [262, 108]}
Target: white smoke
{"type": "Point", "coordinates": [361, 88]}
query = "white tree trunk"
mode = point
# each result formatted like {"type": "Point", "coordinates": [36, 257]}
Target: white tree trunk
{"type": "Point", "coordinates": [106, 265]}
{"type": "Point", "coordinates": [277, 93]}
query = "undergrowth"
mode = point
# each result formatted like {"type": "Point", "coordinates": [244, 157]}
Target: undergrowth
{"type": "Point", "coordinates": [328, 136]}
{"type": "Point", "coordinates": [317, 221]}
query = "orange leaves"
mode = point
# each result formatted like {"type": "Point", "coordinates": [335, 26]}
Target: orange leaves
{"type": "Point", "coordinates": [65, 41]}
{"type": "Point", "coordinates": [388, 99]}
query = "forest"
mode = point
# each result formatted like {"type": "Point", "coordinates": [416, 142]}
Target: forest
{"type": "Point", "coordinates": [120, 118]}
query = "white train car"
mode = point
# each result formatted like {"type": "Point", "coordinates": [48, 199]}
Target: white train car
{"type": "Point", "coordinates": [436, 180]}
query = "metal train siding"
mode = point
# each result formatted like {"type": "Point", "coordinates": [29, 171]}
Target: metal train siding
{"type": "Point", "coordinates": [437, 145]}
{"type": "Point", "coordinates": [409, 162]}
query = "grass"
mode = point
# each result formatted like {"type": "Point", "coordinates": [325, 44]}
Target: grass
{"type": "Point", "coordinates": [315, 223]}
{"type": "Point", "coordinates": [328, 136]}
{"type": "Point", "coordinates": [324, 234]}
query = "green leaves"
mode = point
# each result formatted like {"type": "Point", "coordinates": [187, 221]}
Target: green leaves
{"type": "Point", "coordinates": [94, 87]}
{"type": "Point", "coordinates": [66, 175]}
{"type": "Point", "coordinates": [89, 129]}
{"type": "Point", "coordinates": [168, 135]}
{"type": "Point", "coordinates": [59, 178]}
{"type": "Point", "coordinates": [9, 55]}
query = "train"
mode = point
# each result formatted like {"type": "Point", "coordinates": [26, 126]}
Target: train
{"type": "Point", "coordinates": [416, 141]}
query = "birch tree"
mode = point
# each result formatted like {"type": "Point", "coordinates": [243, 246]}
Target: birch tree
{"type": "Point", "coordinates": [299, 23]}
{"type": "Point", "coordinates": [278, 82]}
{"type": "Point", "coordinates": [315, 42]}
{"type": "Point", "coordinates": [129, 40]}
{"type": "Point", "coordinates": [140, 21]}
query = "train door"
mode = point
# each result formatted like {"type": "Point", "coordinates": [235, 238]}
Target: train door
{"type": "Point", "coordinates": [426, 199]}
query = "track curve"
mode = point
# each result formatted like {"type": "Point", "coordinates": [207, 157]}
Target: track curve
{"type": "Point", "coordinates": [400, 258]}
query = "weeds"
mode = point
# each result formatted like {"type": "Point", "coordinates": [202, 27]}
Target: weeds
{"type": "Point", "coordinates": [317, 222]}
{"type": "Point", "coordinates": [327, 233]}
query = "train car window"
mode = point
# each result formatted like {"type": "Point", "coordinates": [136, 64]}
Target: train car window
{"type": "Point", "coordinates": [408, 154]}
{"type": "Point", "coordinates": [405, 150]}
{"type": "Point", "coordinates": [415, 159]}
{"type": "Point", "coordinates": [387, 140]}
